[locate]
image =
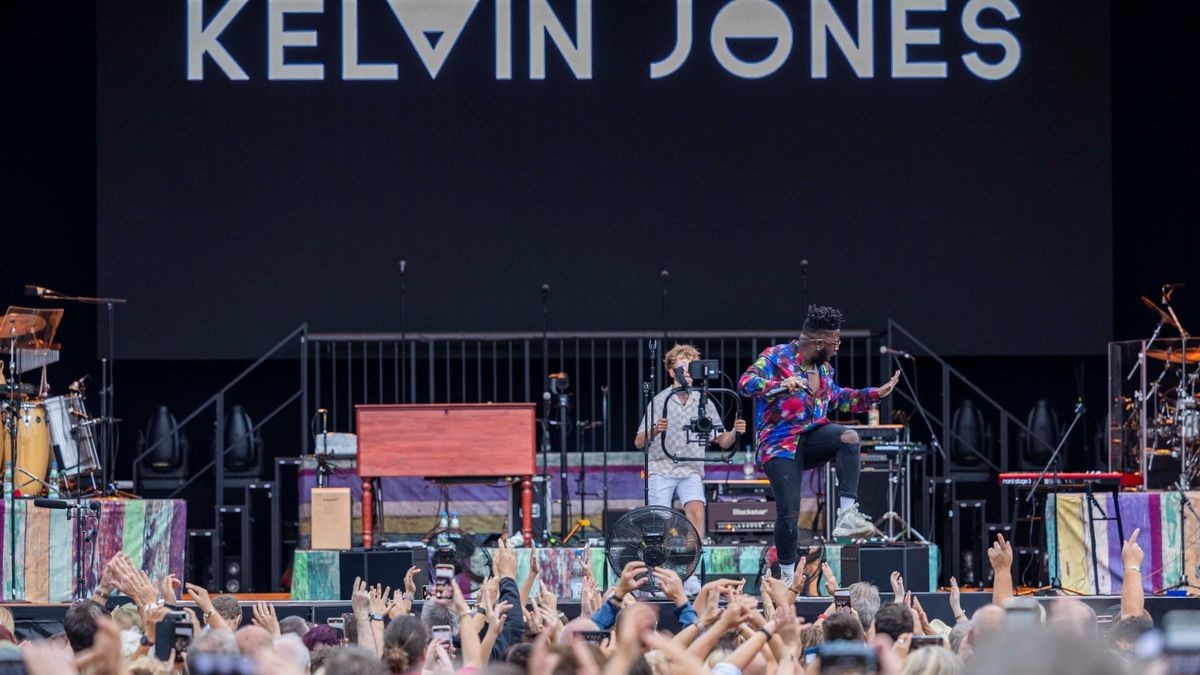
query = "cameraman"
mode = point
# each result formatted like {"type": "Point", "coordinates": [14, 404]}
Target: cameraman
{"type": "Point", "coordinates": [668, 478]}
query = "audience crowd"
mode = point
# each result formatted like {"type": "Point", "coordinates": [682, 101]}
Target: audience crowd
{"type": "Point", "coordinates": [510, 627]}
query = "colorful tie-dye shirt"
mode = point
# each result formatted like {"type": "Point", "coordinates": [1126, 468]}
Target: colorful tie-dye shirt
{"type": "Point", "coordinates": [780, 419]}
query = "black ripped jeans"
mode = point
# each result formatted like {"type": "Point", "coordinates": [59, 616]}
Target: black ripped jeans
{"type": "Point", "coordinates": [813, 448]}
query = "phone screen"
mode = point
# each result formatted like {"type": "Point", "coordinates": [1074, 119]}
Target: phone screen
{"type": "Point", "coordinates": [919, 641]}
{"type": "Point", "coordinates": [594, 636]}
{"type": "Point", "coordinates": [442, 633]}
{"type": "Point", "coordinates": [841, 599]}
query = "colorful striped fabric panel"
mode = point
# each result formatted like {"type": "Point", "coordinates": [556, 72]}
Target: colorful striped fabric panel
{"type": "Point", "coordinates": [1156, 514]}
{"type": "Point", "coordinates": [151, 532]}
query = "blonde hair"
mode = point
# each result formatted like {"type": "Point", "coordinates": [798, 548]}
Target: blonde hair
{"type": "Point", "coordinates": [127, 616]}
{"type": "Point", "coordinates": [932, 661]}
{"type": "Point", "coordinates": [6, 619]}
{"type": "Point", "coordinates": [680, 351]}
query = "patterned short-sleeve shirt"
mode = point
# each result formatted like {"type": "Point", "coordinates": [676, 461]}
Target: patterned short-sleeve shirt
{"type": "Point", "coordinates": [679, 415]}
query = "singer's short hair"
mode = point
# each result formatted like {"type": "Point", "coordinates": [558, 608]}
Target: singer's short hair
{"type": "Point", "coordinates": [822, 318]}
{"type": "Point", "coordinates": [678, 352]}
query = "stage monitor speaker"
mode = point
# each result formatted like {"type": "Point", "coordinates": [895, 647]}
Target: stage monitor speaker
{"type": "Point", "coordinates": [876, 564]}
{"type": "Point", "coordinates": [381, 567]}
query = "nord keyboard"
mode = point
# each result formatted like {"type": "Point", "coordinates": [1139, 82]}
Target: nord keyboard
{"type": "Point", "coordinates": [1065, 482]}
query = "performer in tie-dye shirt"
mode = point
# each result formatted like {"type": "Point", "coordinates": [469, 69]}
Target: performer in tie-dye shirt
{"type": "Point", "coordinates": [794, 391]}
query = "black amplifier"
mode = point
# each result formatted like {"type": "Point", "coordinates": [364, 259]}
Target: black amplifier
{"type": "Point", "coordinates": [752, 517]}
{"type": "Point", "coordinates": [738, 488]}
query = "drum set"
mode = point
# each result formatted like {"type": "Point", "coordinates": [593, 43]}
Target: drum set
{"type": "Point", "coordinates": [49, 442]}
{"type": "Point", "coordinates": [1154, 388]}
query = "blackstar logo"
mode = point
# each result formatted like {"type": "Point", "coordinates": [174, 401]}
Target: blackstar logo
{"type": "Point", "coordinates": [749, 512]}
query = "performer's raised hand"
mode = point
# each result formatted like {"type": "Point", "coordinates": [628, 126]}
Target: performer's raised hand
{"type": "Point", "coordinates": [887, 387]}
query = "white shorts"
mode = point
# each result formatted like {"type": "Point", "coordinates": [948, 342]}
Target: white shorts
{"type": "Point", "coordinates": [664, 489]}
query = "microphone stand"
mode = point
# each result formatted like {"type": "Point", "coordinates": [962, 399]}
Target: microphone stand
{"type": "Point", "coordinates": [648, 408]}
{"type": "Point", "coordinates": [1185, 505]}
{"type": "Point", "coordinates": [10, 482]}
{"type": "Point", "coordinates": [664, 275]}
{"type": "Point", "coordinates": [403, 335]}
{"type": "Point", "coordinates": [546, 398]}
{"type": "Point", "coordinates": [107, 380]}
{"type": "Point", "coordinates": [82, 536]}
{"type": "Point", "coordinates": [1054, 579]}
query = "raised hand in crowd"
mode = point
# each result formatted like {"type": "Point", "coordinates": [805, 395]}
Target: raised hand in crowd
{"type": "Point", "coordinates": [956, 602]}
{"type": "Point", "coordinates": [265, 616]}
{"type": "Point", "coordinates": [204, 604]}
{"type": "Point", "coordinates": [1000, 555]}
{"type": "Point", "coordinates": [505, 561]}
{"type": "Point", "coordinates": [671, 585]}
{"type": "Point", "coordinates": [831, 583]}
{"type": "Point", "coordinates": [1133, 596]}
{"type": "Point", "coordinates": [897, 585]}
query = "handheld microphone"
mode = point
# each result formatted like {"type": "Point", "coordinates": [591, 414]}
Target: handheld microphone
{"type": "Point", "coordinates": [783, 390]}
{"type": "Point", "coordinates": [679, 379]}
{"type": "Point", "coordinates": [896, 352]}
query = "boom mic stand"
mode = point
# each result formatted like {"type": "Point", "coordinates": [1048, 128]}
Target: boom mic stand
{"type": "Point", "coordinates": [107, 377]}
{"type": "Point", "coordinates": [1056, 583]}
{"type": "Point", "coordinates": [648, 412]}
{"type": "Point", "coordinates": [83, 513]}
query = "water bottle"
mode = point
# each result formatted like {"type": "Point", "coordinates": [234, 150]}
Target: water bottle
{"type": "Point", "coordinates": [454, 519]}
{"type": "Point", "coordinates": [873, 416]}
{"type": "Point", "coordinates": [576, 582]}
{"type": "Point", "coordinates": [52, 490]}
{"type": "Point", "coordinates": [443, 522]}
{"type": "Point", "coordinates": [748, 466]}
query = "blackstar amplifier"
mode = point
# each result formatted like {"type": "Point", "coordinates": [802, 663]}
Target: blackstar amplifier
{"type": "Point", "coordinates": [746, 516]}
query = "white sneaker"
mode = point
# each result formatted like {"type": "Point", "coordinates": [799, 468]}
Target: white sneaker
{"type": "Point", "coordinates": [852, 524]}
{"type": "Point", "coordinates": [786, 578]}
{"type": "Point", "coordinates": [692, 586]}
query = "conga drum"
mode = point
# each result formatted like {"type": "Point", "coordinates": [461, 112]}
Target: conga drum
{"type": "Point", "coordinates": [33, 448]}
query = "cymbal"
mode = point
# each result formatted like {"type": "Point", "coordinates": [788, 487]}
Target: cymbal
{"type": "Point", "coordinates": [1166, 318]}
{"type": "Point", "coordinates": [21, 324]}
{"type": "Point", "coordinates": [1190, 355]}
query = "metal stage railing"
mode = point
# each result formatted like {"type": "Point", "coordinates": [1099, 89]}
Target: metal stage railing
{"type": "Point", "coordinates": [1000, 425]}
{"type": "Point", "coordinates": [216, 405]}
{"type": "Point", "coordinates": [348, 369]}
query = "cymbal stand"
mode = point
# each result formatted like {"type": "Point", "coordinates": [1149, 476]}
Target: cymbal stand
{"type": "Point", "coordinates": [10, 483]}
{"type": "Point", "coordinates": [1182, 393]}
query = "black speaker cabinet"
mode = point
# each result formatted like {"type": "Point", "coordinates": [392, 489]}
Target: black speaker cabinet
{"type": "Point", "coordinates": [381, 567]}
{"type": "Point", "coordinates": [876, 564]}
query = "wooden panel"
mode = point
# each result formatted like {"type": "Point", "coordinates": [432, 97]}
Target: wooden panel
{"type": "Point", "coordinates": [446, 440]}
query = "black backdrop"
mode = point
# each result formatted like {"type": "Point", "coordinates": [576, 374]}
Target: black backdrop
{"type": "Point", "coordinates": [51, 230]}
{"type": "Point", "coordinates": [960, 207]}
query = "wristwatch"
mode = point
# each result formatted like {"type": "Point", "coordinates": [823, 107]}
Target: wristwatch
{"type": "Point", "coordinates": [376, 617]}
{"type": "Point", "coordinates": [146, 641]}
